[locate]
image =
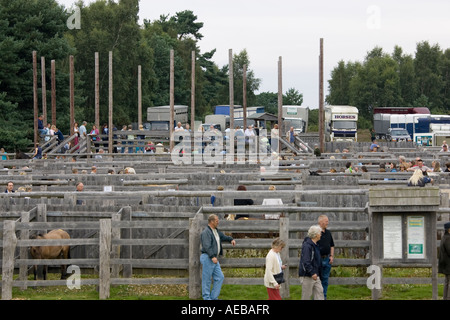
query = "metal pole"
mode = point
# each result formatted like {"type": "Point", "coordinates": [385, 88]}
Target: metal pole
{"type": "Point", "coordinates": [53, 67]}
{"type": "Point", "coordinates": [44, 91]}
{"type": "Point", "coordinates": [231, 84]}
{"type": "Point", "coordinates": [280, 101]}
{"type": "Point", "coordinates": [172, 99]}
{"type": "Point", "coordinates": [110, 115]}
{"type": "Point", "coordinates": [193, 92]}
{"type": "Point", "coordinates": [321, 102]}
{"type": "Point", "coordinates": [35, 99]}
{"type": "Point", "coordinates": [72, 100]}
{"type": "Point", "coordinates": [97, 91]}
{"type": "Point", "coordinates": [139, 96]}
{"type": "Point", "coordinates": [244, 95]}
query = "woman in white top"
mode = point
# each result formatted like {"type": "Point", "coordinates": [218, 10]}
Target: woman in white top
{"type": "Point", "coordinates": [274, 266]}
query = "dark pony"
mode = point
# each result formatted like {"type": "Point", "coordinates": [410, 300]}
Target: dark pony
{"type": "Point", "coordinates": [51, 252]}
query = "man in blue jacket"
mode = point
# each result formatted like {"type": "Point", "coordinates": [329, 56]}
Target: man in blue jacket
{"type": "Point", "coordinates": [211, 240]}
{"type": "Point", "coordinates": [310, 266]}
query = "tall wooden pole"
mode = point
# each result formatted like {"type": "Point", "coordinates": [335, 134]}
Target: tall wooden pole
{"type": "Point", "coordinates": [110, 109]}
{"type": "Point", "coordinates": [193, 92]}
{"type": "Point", "coordinates": [321, 102]}
{"type": "Point", "coordinates": [172, 98]}
{"type": "Point", "coordinates": [231, 84]}
{"type": "Point", "coordinates": [72, 96]}
{"type": "Point", "coordinates": [97, 91]}
{"type": "Point", "coordinates": [44, 91]}
{"type": "Point", "coordinates": [53, 67]}
{"type": "Point", "coordinates": [35, 98]}
{"type": "Point", "coordinates": [244, 95]}
{"type": "Point", "coordinates": [281, 129]}
{"type": "Point", "coordinates": [139, 96]}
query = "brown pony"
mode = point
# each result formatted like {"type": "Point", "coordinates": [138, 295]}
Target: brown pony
{"type": "Point", "coordinates": [51, 252]}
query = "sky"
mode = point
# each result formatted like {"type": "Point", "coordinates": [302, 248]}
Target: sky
{"type": "Point", "coordinates": [292, 29]}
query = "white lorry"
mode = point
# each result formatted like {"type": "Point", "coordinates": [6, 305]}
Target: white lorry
{"type": "Point", "coordinates": [341, 123]}
{"type": "Point", "coordinates": [297, 117]}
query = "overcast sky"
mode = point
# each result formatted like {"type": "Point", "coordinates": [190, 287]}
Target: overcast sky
{"type": "Point", "coordinates": [269, 29]}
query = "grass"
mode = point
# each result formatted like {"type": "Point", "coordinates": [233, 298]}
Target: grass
{"type": "Point", "coordinates": [238, 292]}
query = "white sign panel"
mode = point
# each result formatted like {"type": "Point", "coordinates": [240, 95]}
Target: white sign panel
{"type": "Point", "coordinates": [416, 237]}
{"type": "Point", "coordinates": [392, 237]}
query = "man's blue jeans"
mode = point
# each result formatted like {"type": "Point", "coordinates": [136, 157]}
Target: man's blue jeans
{"type": "Point", "coordinates": [326, 270]}
{"type": "Point", "coordinates": [210, 271]}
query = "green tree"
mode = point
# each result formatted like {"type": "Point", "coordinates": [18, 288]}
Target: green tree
{"type": "Point", "coordinates": [339, 84]}
{"type": "Point", "coordinates": [269, 100]}
{"type": "Point", "coordinates": [239, 60]}
{"type": "Point", "coordinates": [293, 97]}
{"type": "Point", "coordinates": [27, 26]}
{"type": "Point", "coordinates": [428, 74]}
{"type": "Point", "coordinates": [110, 26]}
{"type": "Point", "coordinates": [376, 84]}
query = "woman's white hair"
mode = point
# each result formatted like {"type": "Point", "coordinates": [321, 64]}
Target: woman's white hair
{"type": "Point", "coordinates": [314, 231]}
{"type": "Point", "coordinates": [417, 175]}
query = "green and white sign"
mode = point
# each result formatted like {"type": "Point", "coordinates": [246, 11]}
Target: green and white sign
{"type": "Point", "coordinates": [416, 237]}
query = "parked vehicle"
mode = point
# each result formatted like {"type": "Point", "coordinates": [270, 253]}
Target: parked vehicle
{"type": "Point", "coordinates": [341, 123]}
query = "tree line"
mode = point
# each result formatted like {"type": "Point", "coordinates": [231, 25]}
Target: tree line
{"type": "Point", "coordinates": [393, 80]}
{"type": "Point", "coordinates": [382, 79]}
{"type": "Point", "coordinates": [41, 25]}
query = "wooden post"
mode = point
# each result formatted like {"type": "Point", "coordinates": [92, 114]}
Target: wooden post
{"type": "Point", "coordinates": [139, 96]}
{"type": "Point", "coordinates": [53, 67]}
{"type": "Point", "coordinates": [97, 91]}
{"type": "Point", "coordinates": [244, 95]}
{"type": "Point", "coordinates": [41, 215]}
{"type": "Point", "coordinates": [24, 235]}
{"type": "Point", "coordinates": [321, 101]}
{"type": "Point", "coordinates": [281, 128]}
{"type": "Point", "coordinates": [231, 87]}
{"type": "Point", "coordinates": [115, 235]}
{"type": "Point", "coordinates": [110, 109]}
{"type": "Point", "coordinates": [172, 99]}
{"type": "Point", "coordinates": [284, 235]}
{"type": "Point", "coordinates": [72, 96]}
{"type": "Point", "coordinates": [105, 248]}
{"type": "Point", "coordinates": [434, 259]}
{"type": "Point", "coordinates": [9, 247]}
{"type": "Point", "coordinates": [195, 280]}
{"type": "Point", "coordinates": [193, 92]}
{"type": "Point", "coordinates": [35, 99]}
{"type": "Point", "coordinates": [44, 91]}
{"type": "Point", "coordinates": [126, 250]}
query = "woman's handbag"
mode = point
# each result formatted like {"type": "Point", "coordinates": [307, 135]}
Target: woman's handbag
{"type": "Point", "coordinates": [279, 277]}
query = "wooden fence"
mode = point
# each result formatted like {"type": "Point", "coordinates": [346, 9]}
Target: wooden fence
{"type": "Point", "coordinates": [114, 254]}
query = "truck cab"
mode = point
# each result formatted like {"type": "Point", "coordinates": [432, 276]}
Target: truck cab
{"type": "Point", "coordinates": [341, 123]}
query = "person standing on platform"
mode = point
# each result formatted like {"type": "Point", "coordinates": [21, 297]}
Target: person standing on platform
{"type": "Point", "coordinates": [326, 246]}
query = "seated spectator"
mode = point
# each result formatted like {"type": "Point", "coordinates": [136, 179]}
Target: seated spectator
{"type": "Point", "coordinates": [447, 165]}
{"type": "Point", "coordinates": [242, 202]}
{"type": "Point", "coordinates": [419, 165]}
{"type": "Point", "coordinates": [419, 179]}
{"type": "Point", "coordinates": [79, 188]}
{"type": "Point", "coordinates": [374, 146]}
{"type": "Point", "coordinates": [4, 154]}
{"type": "Point", "coordinates": [9, 187]}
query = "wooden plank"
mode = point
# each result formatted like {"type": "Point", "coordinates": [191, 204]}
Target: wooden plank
{"type": "Point", "coordinates": [104, 268]}
{"type": "Point", "coordinates": [9, 236]}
